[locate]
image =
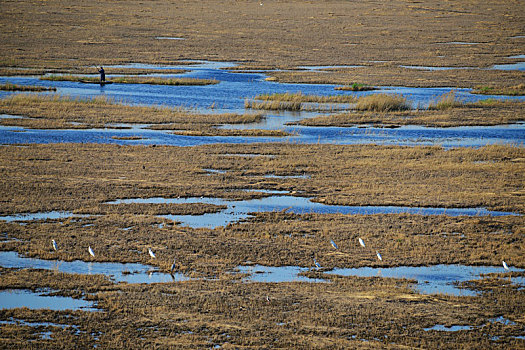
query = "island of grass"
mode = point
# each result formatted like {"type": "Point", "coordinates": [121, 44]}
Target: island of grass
{"type": "Point", "coordinates": [516, 90]}
{"type": "Point", "coordinates": [355, 87]}
{"type": "Point", "coordinates": [133, 80]}
{"type": "Point", "coordinates": [60, 112]}
{"type": "Point", "coordinates": [15, 87]}
{"type": "Point", "coordinates": [294, 102]}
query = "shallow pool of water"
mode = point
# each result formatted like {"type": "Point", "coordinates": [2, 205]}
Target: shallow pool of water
{"type": "Point", "coordinates": [436, 279]}
{"type": "Point", "coordinates": [17, 298]}
{"type": "Point", "coordinates": [118, 272]}
{"type": "Point", "coordinates": [40, 216]}
{"type": "Point", "coordinates": [272, 274]}
{"type": "Point", "coordinates": [430, 279]}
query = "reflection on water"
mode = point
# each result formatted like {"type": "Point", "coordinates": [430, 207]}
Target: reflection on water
{"type": "Point", "coordinates": [16, 298]}
{"type": "Point", "coordinates": [272, 274]}
{"type": "Point", "coordinates": [118, 272]}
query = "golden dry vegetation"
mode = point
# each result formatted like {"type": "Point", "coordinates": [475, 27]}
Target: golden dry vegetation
{"type": "Point", "coordinates": [345, 313]}
{"type": "Point", "coordinates": [479, 114]}
{"type": "Point", "coordinates": [215, 307]}
{"type": "Point", "coordinates": [59, 112]}
{"type": "Point", "coordinates": [60, 34]}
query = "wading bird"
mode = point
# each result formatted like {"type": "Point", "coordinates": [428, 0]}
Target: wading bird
{"type": "Point", "coordinates": [91, 251]}
{"type": "Point", "coordinates": [172, 267]}
{"type": "Point", "coordinates": [54, 244]}
{"type": "Point", "coordinates": [505, 266]}
{"type": "Point", "coordinates": [362, 242]}
{"type": "Point", "coordinates": [333, 244]}
{"type": "Point", "coordinates": [151, 253]}
{"type": "Point", "coordinates": [317, 264]}
{"type": "Point", "coordinates": [379, 256]}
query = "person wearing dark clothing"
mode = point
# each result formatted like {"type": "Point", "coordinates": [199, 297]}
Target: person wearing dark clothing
{"type": "Point", "coordinates": [102, 74]}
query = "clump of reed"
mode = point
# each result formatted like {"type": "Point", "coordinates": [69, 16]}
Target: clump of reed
{"type": "Point", "coordinates": [355, 87]}
{"type": "Point", "coordinates": [15, 87]}
{"type": "Point", "coordinates": [516, 90]}
{"type": "Point", "coordinates": [446, 101]}
{"type": "Point", "coordinates": [273, 105]}
{"type": "Point", "coordinates": [133, 80]}
{"type": "Point", "coordinates": [382, 103]}
{"type": "Point", "coordinates": [299, 97]}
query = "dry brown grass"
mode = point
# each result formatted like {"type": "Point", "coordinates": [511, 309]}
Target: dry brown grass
{"type": "Point", "coordinates": [382, 103]}
{"type": "Point", "coordinates": [345, 313]}
{"type": "Point", "coordinates": [482, 114]}
{"type": "Point", "coordinates": [446, 101]}
{"type": "Point", "coordinates": [15, 87]}
{"type": "Point", "coordinates": [274, 35]}
{"type": "Point", "coordinates": [60, 112]}
{"type": "Point", "coordinates": [361, 313]}
{"type": "Point", "coordinates": [351, 175]}
{"type": "Point", "coordinates": [300, 97]}
{"type": "Point", "coordinates": [518, 90]}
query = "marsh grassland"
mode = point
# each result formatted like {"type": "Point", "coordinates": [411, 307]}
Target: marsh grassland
{"type": "Point", "coordinates": [123, 200]}
{"type": "Point", "coordinates": [197, 313]}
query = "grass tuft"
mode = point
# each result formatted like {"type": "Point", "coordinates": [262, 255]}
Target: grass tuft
{"type": "Point", "coordinates": [446, 101]}
{"type": "Point", "coordinates": [382, 103]}
{"type": "Point", "coordinates": [516, 90]}
{"type": "Point", "coordinates": [273, 105]}
{"type": "Point", "coordinates": [299, 97]}
{"type": "Point", "coordinates": [355, 87]}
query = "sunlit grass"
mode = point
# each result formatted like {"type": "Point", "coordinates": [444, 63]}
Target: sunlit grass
{"type": "Point", "coordinates": [516, 90]}
{"type": "Point", "coordinates": [355, 87]}
{"type": "Point", "coordinates": [446, 101]}
{"type": "Point", "coordinates": [299, 97]}
{"type": "Point", "coordinates": [15, 87]}
{"type": "Point", "coordinates": [133, 80]}
{"type": "Point", "coordinates": [382, 103]}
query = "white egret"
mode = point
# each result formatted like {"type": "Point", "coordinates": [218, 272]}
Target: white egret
{"type": "Point", "coordinates": [54, 244]}
{"type": "Point", "coordinates": [505, 266]}
{"type": "Point", "coordinates": [379, 256]}
{"type": "Point", "coordinates": [267, 298]}
{"type": "Point", "coordinates": [91, 251]}
{"type": "Point", "coordinates": [362, 242]}
{"type": "Point", "coordinates": [333, 244]}
{"type": "Point", "coordinates": [151, 253]}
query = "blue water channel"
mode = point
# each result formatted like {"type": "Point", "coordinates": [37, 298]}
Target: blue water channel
{"type": "Point", "coordinates": [239, 210]}
{"type": "Point", "coordinates": [17, 298]}
{"type": "Point", "coordinates": [228, 97]}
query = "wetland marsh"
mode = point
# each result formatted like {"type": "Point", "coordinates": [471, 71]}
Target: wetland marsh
{"type": "Point", "coordinates": [353, 185]}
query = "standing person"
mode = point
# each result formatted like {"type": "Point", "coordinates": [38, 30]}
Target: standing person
{"type": "Point", "coordinates": [102, 74]}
